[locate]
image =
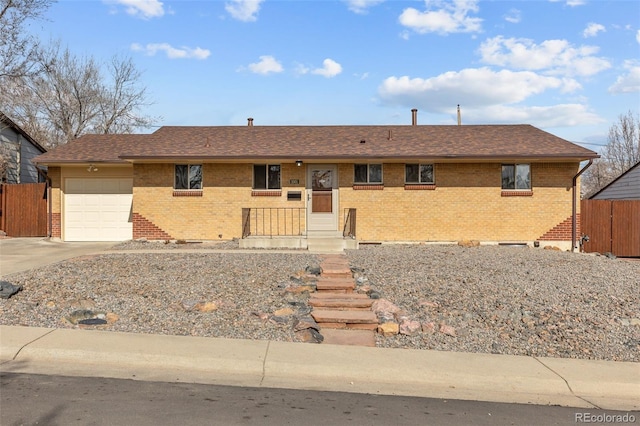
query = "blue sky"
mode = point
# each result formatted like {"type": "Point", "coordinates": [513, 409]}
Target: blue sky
{"type": "Point", "coordinates": [570, 67]}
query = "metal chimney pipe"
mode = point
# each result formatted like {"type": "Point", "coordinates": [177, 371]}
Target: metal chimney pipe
{"type": "Point", "coordinates": [250, 122]}
{"type": "Point", "coordinates": [414, 117]}
{"type": "Point", "coordinates": [459, 116]}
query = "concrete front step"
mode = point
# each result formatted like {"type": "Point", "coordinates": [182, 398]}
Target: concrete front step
{"type": "Point", "coordinates": [348, 337]}
{"type": "Point", "coordinates": [343, 317]}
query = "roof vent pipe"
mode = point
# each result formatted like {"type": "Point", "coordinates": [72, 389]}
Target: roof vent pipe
{"type": "Point", "coordinates": [250, 122]}
{"type": "Point", "coordinates": [459, 117]}
{"type": "Point", "coordinates": [414, 117]}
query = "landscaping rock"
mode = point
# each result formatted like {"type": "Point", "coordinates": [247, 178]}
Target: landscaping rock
{"type": "Point", "coordinates": [389, 329]}
{"type": "Point", "coordinates": [309, 335]}
{"type": "Point", "coordinates": [7, 289]}
{"type": "Point", "coordinates": [409, 327]}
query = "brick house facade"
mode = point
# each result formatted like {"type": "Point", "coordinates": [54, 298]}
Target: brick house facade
{"type": "Point", "coordinates": [464, 192]}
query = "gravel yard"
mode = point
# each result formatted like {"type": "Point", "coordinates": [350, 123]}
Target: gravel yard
{"type": "Point", "coordinates": [490, 299]}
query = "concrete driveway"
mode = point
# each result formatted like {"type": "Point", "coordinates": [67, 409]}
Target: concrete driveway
{"type": "Point", "coordinates": [22, 254]}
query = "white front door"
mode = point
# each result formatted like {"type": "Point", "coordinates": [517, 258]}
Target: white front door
{"type": "Point", "coordinates": [322, 197]}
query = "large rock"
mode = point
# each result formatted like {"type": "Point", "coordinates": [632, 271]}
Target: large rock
{"type": "Point", "coordinates": [206, 307]}
{"type": "Point", "coordinates": [448, 330]}
{"type": "Point", "coordinates": [409, 327]}
{"type": "Point", "coordinates": [7, 289]}
{"type": "Point", "coordinates": [303, 323]}
{"type": "Point", "coordinates": [309, 335]}
{"type": "Point", "coordinates": [383, 306]}
{"type": "Point", "coordinates": [389, 329]}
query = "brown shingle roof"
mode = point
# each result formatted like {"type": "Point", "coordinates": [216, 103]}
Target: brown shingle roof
{"type": "Point", "coordinates": [473, 142]}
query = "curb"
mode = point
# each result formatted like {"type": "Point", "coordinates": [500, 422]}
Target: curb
{"type": "Point", "coordinates": [409, 372]}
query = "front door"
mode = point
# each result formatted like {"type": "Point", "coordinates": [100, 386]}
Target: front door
{"type": "Point", "coordinates": [322, 197]}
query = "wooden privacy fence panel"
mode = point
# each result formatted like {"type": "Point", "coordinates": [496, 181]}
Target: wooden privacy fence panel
{"type": "Point", "coordinates": [625, 229]}
{"type": "Point", "coordinates": [24, 209]}
{"type": "Point", "coordinates": [612, 226]}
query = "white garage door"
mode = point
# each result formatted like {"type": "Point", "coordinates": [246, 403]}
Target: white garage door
{"type": "Point", "coordinates": [98, 209]}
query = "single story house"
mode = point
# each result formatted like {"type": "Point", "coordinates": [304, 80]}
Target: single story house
{"type": "Point", "coordinates": [17, 150]}
{"type": "Point", "coordinates": [269, 184]}
{"type": "Point", "coordinates": [624, 187]}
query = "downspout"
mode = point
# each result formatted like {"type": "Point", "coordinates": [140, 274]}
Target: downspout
{"type": "Point", "coordinates": [49, 202]}
{"type": "Point", "coordinates": [574, 206]}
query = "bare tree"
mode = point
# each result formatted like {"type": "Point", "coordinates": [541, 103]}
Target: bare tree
{"type": "Point", "coordinates": [18, 51]}
{"type": "Point", "coordinates": [623, 147]}
{"type": "Point", "coordinates": [72, 96]}
{"type": "Point", "coordinates": [619, 155]}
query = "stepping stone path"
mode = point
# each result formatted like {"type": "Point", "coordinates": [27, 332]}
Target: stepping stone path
{"type": "Point", "coordinates": [344, 317]}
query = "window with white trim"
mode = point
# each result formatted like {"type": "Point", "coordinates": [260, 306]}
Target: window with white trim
{"type": "Point", "coordinates": [367, 173]}
{"type": "Point", "coordinates": [266, 176]}
{"type": "Point", "coordinates": [516, 176]}
{"type": "Point", "coordinates": [187, 176]}
{"type": "Point", "coordinates": [418, 173]}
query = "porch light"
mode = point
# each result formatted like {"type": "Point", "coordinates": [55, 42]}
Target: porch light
{"type": "Point", "coordinates": [298, 163]}
{"type": "Point", "coordinates": [92, 168]}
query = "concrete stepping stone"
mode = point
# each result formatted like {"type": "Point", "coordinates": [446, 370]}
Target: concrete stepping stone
{"type": "Point", "coordinates": [348, 337]}
{"type": "Point", "coordinates": [344, 317]}
{"type": "Point", "coordinates": [341, 303]}
{"type": "Point", "coordinates": [330, 295]}
{"type": "Point", "coordinates": [335, 284]}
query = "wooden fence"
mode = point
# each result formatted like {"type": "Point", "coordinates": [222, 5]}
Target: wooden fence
{"type": "Point", "coordinates": [612, 226]}
{"type": "Point", "coordinates": [23, 209]}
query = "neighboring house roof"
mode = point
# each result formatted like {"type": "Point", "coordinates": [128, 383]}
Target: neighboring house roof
{"type": "Point", "coordinates": [396, 142]}
{"type": "Point", "coordinates": [615, 182]}
{"type": "Point", "coordinates": [11, 124]}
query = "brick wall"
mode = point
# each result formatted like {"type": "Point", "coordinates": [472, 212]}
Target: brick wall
{"type": "Point", "coordinates": [467, 202]}
{"type": "Point", "coordinates": [214, 214]}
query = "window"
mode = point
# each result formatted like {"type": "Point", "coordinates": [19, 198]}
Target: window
{"type": "Point", "coordinates": [367, 173]}
{"type": "Point", "coordinates": [418, 173]}
{"type": "Point", "coordinates": [266, 176]}
{"type": "Point", "coordinates": [188, 176]}
{"type": "Point", "coordinates": [516, 176]}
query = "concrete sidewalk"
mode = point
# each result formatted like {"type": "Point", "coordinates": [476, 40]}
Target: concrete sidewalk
{"type": "Point", "coordinates": [482, 377]}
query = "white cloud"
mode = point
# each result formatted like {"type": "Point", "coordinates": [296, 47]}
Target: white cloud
{"type": "Point", "coordinates": [330, 68]}
{"type": "Point", "coordinates": [172, 52]}
{"type": "Point", "coordinates": [244, 10]}
{"type": "Point", "coordinates": [473, 87]}
{"type": "Point", "coordinates": [361, 6]}
{"type": "Point", "coordinates": [553, 56]}
{"type": "Point", "coordinates": [514, 16]}
{"type": "Point", "coordinates": [145, 9]}
{"type": "Point", "coordinates": [571, 3]}
{"type": "Point", "coordinates": [267, 64]}
{"type": "Point", "coordinates": [629, 82]}
{"type": "Point", "coordinates": [443, 17]}
{"type": "Point", "coordinates": [593, 29]}
{"type": "Point", "coordinates": [561, 115]}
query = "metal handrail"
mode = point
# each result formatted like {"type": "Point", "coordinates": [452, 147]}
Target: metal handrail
{"type": "Point", "coordinates": [273, 221]}
{"type": "Point", "coordinates": [349, 229]}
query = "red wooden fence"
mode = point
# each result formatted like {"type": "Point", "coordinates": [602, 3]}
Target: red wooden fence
{"type": "Point", "coordinates": [612, 226]}
{"type": "Point", "coordinates": [23, 209]}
